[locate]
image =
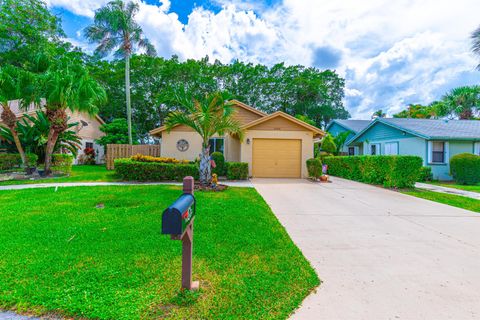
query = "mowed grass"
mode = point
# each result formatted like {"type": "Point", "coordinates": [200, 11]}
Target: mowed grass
{"type": "Point", "coordinates": [83, 173]}
{"type": "Point", "coordinates": [475, 188]}
{"type": "Point", "coordinates": [450, 199]}
{"type": "Point", "coordinates": [60, 254]}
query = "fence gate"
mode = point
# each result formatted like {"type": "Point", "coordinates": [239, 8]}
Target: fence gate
{"type": "Point", "coordinates": [117, 151]}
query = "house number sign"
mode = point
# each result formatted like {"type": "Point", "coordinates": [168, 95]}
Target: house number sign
{"type": "Point", "coordinates": [182, 145]}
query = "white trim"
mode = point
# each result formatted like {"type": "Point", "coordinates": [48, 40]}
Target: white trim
{"type": "Point", "coordinates": [476, 148]}
{"type": "Point", "coordinates": [388, 149]}
{"type": "Point", "coordinates": [446, 152]}
{"type": "Point", "coordinates": [429, 151]}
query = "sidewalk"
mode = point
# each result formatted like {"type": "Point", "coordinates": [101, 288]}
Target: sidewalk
{"type": "Point", "coordinates": [441, 189]}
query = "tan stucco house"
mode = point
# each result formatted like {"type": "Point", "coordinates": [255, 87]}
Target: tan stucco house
{"type": "Point", "coordinates": [275, 145]}
{"type": "Point", "coordinates": [87, 129]}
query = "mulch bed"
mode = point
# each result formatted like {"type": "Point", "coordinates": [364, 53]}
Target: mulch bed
{"type": "Point", "coordinates": [217, 188]}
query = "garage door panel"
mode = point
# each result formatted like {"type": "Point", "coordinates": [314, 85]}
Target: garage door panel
{"type": "Point", "coordinates": [277, 158]}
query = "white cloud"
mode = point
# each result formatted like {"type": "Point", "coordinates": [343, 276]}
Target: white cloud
{"type": "Point", "coordinates": [392, 52]}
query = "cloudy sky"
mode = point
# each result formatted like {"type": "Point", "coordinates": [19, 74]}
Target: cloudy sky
{"type": "Point", "coordinates": [391, 53]}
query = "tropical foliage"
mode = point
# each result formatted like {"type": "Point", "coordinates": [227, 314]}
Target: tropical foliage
{"type": "Point", "coordinates": [33, 134]}
{"type": "Point", "coordinates": [419, 111]}
{"type": "Point", "coordinates": [476, 43]}
{"type": "Point", "coordinates": [115, 29]}
{"type": "Point", "coordinates": [116, 132]}
{"type": "Point", "coordinates": [207, 115]}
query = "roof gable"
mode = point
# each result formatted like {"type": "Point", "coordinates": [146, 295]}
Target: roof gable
{"type": "Point", "coordinates": [244, 114]}
{"type": "Point", "coordinates": [280, 118]}
{"type": "Point", "coordinates": [354, 126]}
{"type": "Point", "coordinates": [380, 131]}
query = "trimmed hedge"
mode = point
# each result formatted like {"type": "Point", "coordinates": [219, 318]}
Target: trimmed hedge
{"type": "Point", "coordinates": [131, 170]}
{"type": "Point", "coordinates": [13, 160]}
{"type": "Point", "coordinates": [62, 163]}
{"type": "Point", "coordinates": [219, 159]}
{"type": "Point", "coordinates": [465, 168]}
{"type": "Point", "coordinates": [425, 174]}
{"type": "Point", "coordinates": [144, 158]}
{"type": "Point", "coordinates": [389, 171]}
{"type": "Point", "coordinates": [237, 170]}
{"type": "Point", "coordinates": [314, 167]}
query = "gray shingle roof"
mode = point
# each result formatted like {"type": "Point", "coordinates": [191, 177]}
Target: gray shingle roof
{"type": "Point", "coordinates": [438, 129]}
{"type": "Point", "coordinates": [354, 125]}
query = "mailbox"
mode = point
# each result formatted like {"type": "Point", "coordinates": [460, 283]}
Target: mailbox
{"type": "Point", "coordinates": [177, 217]}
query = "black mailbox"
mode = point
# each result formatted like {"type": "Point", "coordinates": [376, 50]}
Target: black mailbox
{"type": "Point", "coordinates": [179, 215]}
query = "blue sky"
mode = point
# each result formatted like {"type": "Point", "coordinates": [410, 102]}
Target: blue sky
{"type": "Point", "coordinates": [390, 53]}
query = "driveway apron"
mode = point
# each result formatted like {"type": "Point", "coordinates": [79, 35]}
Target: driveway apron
{"type": "Point", "coordinates": [380, 254]}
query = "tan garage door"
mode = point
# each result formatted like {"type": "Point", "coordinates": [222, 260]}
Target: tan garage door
{"type": "Point", "coordinates": [277, 158]}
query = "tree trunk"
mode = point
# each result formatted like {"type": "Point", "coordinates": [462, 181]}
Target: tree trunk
{"type": "Point", "coordinates": [205, 166]}
{"type": "Point", "coordinates": [10, 119]}
{"type": "Point", "coordinates": [127, 94]}
{"type": "Point", "coordinates": [52, 140]}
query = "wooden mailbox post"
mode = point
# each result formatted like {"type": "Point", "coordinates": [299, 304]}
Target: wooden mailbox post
{"type": "Point", "coordinates": [177, 220]}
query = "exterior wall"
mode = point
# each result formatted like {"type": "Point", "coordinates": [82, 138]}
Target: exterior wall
{"type": "Point", "coordinates": [380, 132]}
{"type": "Point", "coordinates": [169, 145]}
{"type": "Point", "coordinates": [232, 149]}
{"type": "Point", "coordinates": [305, 136]}
{"type": "Point", "coordinates": [88, 133]}
{"type": "Point", "coordinates": [442, 171]}
{"type": "Point", "coordinates": [244, 116]}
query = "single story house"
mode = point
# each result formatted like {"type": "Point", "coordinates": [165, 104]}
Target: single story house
{"type": "Point", "coordinates": [338, 126]}
{"type": "Point", "coordinates": [275, 145]}
{"type": "Point", "coordinates": [435, 141]}
{"type": "Point", "coordinates": [87, 128]}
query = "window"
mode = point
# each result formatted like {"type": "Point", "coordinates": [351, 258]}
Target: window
{"type": "Point", "coordinates": [88, 145]}
{"type": "Point", "coordinates": [438, 152]}
{"type": "Point", "coordinates": [391, 148]}
{"type": "Point", "coordinates": [374, 149]}
{"type": "Point", "coordinates": [216, 145]}
{"type": "Point", "coordinates": [351, 151]}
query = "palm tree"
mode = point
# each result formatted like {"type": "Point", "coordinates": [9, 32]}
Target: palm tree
{"type": "Point", "coordinates": [207, 116]}
{"type": "Point", "coordinates": [463, 101]}
{"type": "Point", "coordinates": [476, 43]}
{"type": "Point", "coordinates": [67, 86]}
{"type": "Point", "coordinates": [115, 28]}
{"type": "Point", "coordinates": [379, 114]}
{"type": "Point", "coordinates": [14, 85]}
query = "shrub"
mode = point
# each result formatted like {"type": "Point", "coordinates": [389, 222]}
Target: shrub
{"type": "Point", "coordinates": [13, 160]}
{"type": "Point", "coordinates": [237, 170]}
{"type": "Point", "coordinates": [314, 167]}
{"type": "Point", "coordinates": [219, 162]}
{"type": "Point", "coordinates": [390, 171]}
{"type": "Point", "coordinates": [144, 158]}
{"type": "Point", "coordinates": [62, 163]}
{"type": "Point", "coordinates": [131, 170]}
{"type": "Point", "coordinates": [328, 144]}
{"type": "Point", "coordinates": [465, 168]}
{"type": "Point", "coordinates": [425, 174]}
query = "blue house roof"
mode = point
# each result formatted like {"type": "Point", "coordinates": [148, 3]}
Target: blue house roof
{"type": "Point", "coordinates": [352, 125]}
{"type": "Point", "coordinates": [431, 129]}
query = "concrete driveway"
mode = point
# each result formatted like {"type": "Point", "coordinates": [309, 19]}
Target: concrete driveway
{"type": "Point", "coordinates": [379, 253]}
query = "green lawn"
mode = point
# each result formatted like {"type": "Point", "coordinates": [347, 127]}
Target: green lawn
{"type": "Point", "coordinates": [450, 199]}
{"type": "Point", "coordinates": [84, 173]}
{"type": "Point", "coordinates": [475, 188]}
{"type": "Point", "coordinates": [60, 254]}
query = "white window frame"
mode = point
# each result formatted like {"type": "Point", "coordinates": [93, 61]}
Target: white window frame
{"type": "Point", "coordinates": [378, 149]}
{"type": "Point", "coordinates": [215, 145]}
{"type": "Point", "coordinates": [446, 152]}
{"type": "Point", "coordinates": [388, 145]}
{"type": "Point", "coordinates": [476, 148]}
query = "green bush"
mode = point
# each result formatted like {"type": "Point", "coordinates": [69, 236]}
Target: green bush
{"type": "Point", "coordinates": [131, 170]}
{"type": "Point", "coordinates": [389, 171]}
{"type": "Point", "coordinates": [62, 163]}
{"type": "Point", "coordinates": [314, 167]}
{"type": "Point", "coordinates": [13, 160]}
{"type": "Point", "coordinates": [465, 168]}
{"type": "Point", "coordinates": [237, 170]}
{"type": "Point", "coordinates": [220, 163]}
{"type": "Point", "coordinates": [425, 174]}
{"type": "Point", "coordinates": [328, 144]}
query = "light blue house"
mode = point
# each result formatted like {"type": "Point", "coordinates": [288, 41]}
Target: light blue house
{"type": "Point", "coordinates": [336, 127]}
{"type": "Point", "coordinates": [435, 141]}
